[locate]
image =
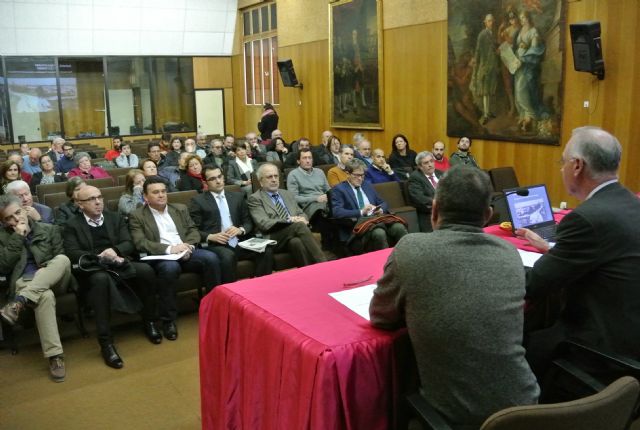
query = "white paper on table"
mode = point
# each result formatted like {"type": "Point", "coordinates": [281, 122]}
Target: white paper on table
{"type": "Point", "coordinates": [356, 299]}
{"type": "Point", "coordinates": [172, 257]}
{"type": "Point", "coordinates": [528, 257]}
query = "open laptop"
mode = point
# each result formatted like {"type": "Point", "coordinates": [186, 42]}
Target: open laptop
{"type": "Point", "coordinates": [532, 211]}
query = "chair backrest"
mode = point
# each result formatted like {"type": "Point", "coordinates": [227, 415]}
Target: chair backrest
{"type": "Point", "coordinates": [610, 409]}
{"type": "Point", "coordinates": [117, 171]}
{"type": "Point", "coordinates": [391, 192]}
{"type": "Point", "coordinates": [42, 189]}
{"type": "Point", "coordinates": [503, 178]}
{"type": "Point", "coordinates": [233, 187]}
{"type": "Point", "coordinates": [101, 183]}
{"type": "Point", "coordinates": [53, 200]}
{"type": "Point", "coordinates": [111, 193]}
{"type": "Point", "coordinates": [181, 196]}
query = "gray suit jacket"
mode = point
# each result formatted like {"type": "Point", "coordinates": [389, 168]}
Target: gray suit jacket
{"type": "Point", "coordinates": [421, 194]}
{"type": "Point", "coordinates": [264, 213]}
{"type": "Point", "coordinates": [146, 235]}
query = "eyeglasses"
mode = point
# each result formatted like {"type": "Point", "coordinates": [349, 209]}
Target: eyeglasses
{"type": "Point", "coordinates": [358, 175]}
{"type": "Point", "coordinates": [92, 199]}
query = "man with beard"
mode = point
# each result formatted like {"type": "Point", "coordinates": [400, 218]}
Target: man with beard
{"type": "Point", "coordinates": [441, 161]}
{"type": "Point", "coordinates": [463, 155]}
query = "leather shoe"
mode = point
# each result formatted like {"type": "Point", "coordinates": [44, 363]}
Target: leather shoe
{"type": "Point", "coordinates": [170, 330]}
{"type": "Point", "coordinates": [152, 332]}
{"type": "Point", "coordinates": [111, 357]}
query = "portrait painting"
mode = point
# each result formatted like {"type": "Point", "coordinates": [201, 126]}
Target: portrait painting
{"type": "Point", "coordinates": [355, 64]}
{"type": "Point", "coordinates": [505, 70]}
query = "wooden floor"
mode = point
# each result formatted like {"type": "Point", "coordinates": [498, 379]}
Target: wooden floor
{"type": "Point", "coordinates": [158, 388]}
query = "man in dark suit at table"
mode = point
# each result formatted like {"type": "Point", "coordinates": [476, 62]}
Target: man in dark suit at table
{"type": "Point", "coordinates": [422, 187]}
{"type": "Point", "coordinates": [596, 258]}
{"type": "Point", "coordinates": [161, 228]}
{"type": "Point", "coordinates": [223, 220]}
{"type": "Point", "coordinates": [465, 323]}
{"type": "Point", "coordinates": [105, 235]}
{"type": "Point", "coordinates": [277, 216]}
{"type": "Point", "coordinates": [354, 199]}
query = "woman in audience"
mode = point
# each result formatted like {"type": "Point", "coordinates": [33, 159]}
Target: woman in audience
{"type": "Point", "coordinates": [68, 210]}
{"type": "Point", "coordinates": [191, 178]}
{"type": "Point", "coordinates": [132, 197]}
{"type": "Point", "coordinates": [191, 147]}
{"type": "Point", "coordinates": [84, 168]}
{"type": "Point", "coordinates": [402, 159]}
{"type": "Point", "coordinates": [333, 148]}
{"type": "Point", "coordinates": [149, 167]}
{"type": "Point", "coordinates": [277, 150]}
{"type": "Point", "coordinates": [240, 168]}
{"type": "Point", "coordinates": [9, 172]}
{"type": "Point", "coordinates": [48, 175]}
{"type": "Point", "coordinates": [173, 155]}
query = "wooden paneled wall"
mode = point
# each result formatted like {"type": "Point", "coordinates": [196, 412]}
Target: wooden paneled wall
{"type": "Point", "coordinates": [215, 72]}
{"type": "Point", "coordinates": [415, 94]}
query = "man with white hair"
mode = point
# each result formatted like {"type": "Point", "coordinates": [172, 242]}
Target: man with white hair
{"type": "Point", "coordinates": [363, 152]}
{"type": "Point", "coordinates": [55, 152]}
{"type": "Point", "coordinates": [31, 162]}
{"type": "Point", "coordinates": [35, 211]}
{"type": "Point", "coordinates": [596, 258]}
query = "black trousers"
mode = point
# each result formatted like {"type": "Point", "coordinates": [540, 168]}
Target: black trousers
{"type": "Point", "coordinates": [230, 256]}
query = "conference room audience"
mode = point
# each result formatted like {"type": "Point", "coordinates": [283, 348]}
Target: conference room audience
{"type": "Point", "coordinates": [255, 150]}
{"type": "Point", "coordinates": [191, 178]}
{"type": "Point", "coordinates": [103, 235]}
{"type": "Point", "coordinates": [240, 167]}
{"type": "Point", "coordinates": [337, 174]}
{"type": "Point", "coordinates": [164, 169]}
{"type": "Point", "coordinates": [32, 258]}
{"type": "Point", "coordinates": [132, 197]}
{"type": "Point", "coordinates": [223, 220]}
{"type": "Point", "coordinates": [277, 216]}
{"type": "Point", "coordinates": [126, 158]}
{"type": "Point", "coordinates": [55, 151]}
{"type": "Point", "coordinates": [85, 170]}
{"type": "Point", "coordinates": [278, 151]}
{"type": "Point", "coordinates": [69, 209]}
{"type": "Point", "coordinates": [9, 172]}
{"type": "Point", "coordinates": [595, 261]}
{"type": "Point", "coordinates": [268, 121]}
{"type": "Point", "coordinates": [31, 162]}
{"type": "Point", "coordinates": [422, 186]}
{"type": "Point", "coordinates": [217, 156]}
{"type": "Point", "coordinates": [441, 160]}
{"type": "Point", "coordinates": [35, 211]}
{"type": "Point", "coordinates": [402, 158]}
{"type": "Point", "coordinates": [116, 149]}
{"type": "Point", "coordinates": [191, 147]}
{"type": "Point", "coordinates": [46, 175]}
{"type": "Point", "coordinates": [162, 228]}
{"type": "Point", "coordinates": [357, 199]}
{"type": "Point", "coordinates": [322, 152]}
{"type": "Point", "coordinates": [292, 158]}
{"type": "Point", "coordinates": [65, 160]}
{"type": "Point", "coordinates": [363, 150]}
{"type": "Point", "coordinates": [380, 171]}
{"type": "Point", "coordinates": [463, 154]}
{"type": "Point", "coordinates": [175, 148]}
{"type": "Point", "coordinates": [465, 324]}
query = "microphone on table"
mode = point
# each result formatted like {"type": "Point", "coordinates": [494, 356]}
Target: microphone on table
{"type": "Point", "coordinates": [523, 192]}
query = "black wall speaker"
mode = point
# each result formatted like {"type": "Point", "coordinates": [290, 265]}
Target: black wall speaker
{"type": "Point", "coordinates": [587, 48]}
{"type": "Point", "coordinates": [287, 74]}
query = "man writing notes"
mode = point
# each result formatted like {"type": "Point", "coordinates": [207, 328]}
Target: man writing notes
{"type": "Point", "coordinates": [465, 324]}
{"type": "Point", "coordinates": [596, 259]}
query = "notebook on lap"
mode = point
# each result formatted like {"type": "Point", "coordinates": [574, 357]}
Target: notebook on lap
{"type": "Point", "coordinates": [532, 211]}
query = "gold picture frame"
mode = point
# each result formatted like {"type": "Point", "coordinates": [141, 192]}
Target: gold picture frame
{"type": "Point", "coordinates": [356, 78]}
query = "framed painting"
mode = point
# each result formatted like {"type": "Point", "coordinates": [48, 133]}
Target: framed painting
{"type": "Point", "coordinates": [355, 64]}
{"type": "Point", "coordinates": [505, 69]}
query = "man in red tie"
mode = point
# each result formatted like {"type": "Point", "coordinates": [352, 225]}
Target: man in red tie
{"type": "Point", "coordinates": [422, 187]}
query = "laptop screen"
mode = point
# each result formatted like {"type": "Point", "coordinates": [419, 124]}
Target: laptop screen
{"type": "Point", "coordinates": [532, 210]}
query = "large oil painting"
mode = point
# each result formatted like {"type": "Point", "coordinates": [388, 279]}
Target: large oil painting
{"type": "Point", "coordinates": [355, 61]}
{"type": "Point", "coordinates": [505, 69]}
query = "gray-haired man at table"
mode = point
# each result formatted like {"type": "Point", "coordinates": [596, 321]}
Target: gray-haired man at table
{"type": "Point", "coordinates": [465, 324]}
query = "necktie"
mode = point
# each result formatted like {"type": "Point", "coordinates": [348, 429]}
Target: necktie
{"type": "Point", "coordinates": [225, 217]}
{"type": "Point", "coordinates": [360, 198]}
{"type": "Point", "coordinates": [433, 181]}
{"type": "Point", "coordinates": [280, 208]}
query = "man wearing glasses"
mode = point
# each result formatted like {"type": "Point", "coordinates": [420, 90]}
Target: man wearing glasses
{"type": "Point", "coordinates": [65, 162]}
{"type": "Point", "coordinates": [217, 156]}
{"type": "Point", "coordinates": [105, 235]}
{"type": "Point", "coordinates": [223, 220]}
{"type": "Point", "coordinates": [355, 199]}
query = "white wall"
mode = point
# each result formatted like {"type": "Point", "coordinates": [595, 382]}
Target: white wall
{"type": "Point", "coordinates": [117, 27]}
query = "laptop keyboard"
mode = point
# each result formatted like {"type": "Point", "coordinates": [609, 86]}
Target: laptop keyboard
{"type": "Point", "coordinates": [548, 232]}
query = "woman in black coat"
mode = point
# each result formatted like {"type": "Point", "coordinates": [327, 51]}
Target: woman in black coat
{"type": "Point", "coordinates": [268, 122]}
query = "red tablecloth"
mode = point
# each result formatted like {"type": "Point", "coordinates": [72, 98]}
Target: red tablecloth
{"type": "Point", "coordinates": [278, 352]}
{"type": "Point", "coordinates": [519, 243]}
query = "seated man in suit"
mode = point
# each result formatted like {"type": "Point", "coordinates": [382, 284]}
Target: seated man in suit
{"type": "Point", "coordinates": [161, 228]}
{"type": "Point", "coordinates": [422, 187]}
{"type": "Point", "coordinates": [337, 174]}
{"type": "Point", "coordinates": [465, 324]}
{"type": "Point", "coordinates": [34, 211]}
{"type": "Point", "coordinates": [277, 216]}
{"type": "Point", "coordinates": [216, 157]}
{"type": "Point", "coordinates": [293, 156]}
{"type": "Point", "coordinates": [596, 258]}
{"type": "Point", "coordinates": [65, 161]}
{"type": "Point", "coordinates": [104, 234]}
{"type": "Point", "coordinates": [380, 171]}
{"type": "Point", "coordinates": [32, 258]}
{"type": "Point", "coordinates": [354, 199]}
{"type": "Point", "coordinates": [223, 220]}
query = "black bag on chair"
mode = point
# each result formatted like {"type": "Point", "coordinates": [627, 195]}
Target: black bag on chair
{"type": "Point", "coordinates": [123, 298]}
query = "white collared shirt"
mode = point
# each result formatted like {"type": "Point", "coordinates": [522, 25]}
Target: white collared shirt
{"type": "Point", "coordinates": [167, 228]}
{"type": "Point", "coordinates": [94, 223]}
{"type": "Point", "coordinates": [601, 186]}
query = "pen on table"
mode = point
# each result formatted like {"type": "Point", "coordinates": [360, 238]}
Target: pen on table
{"type": "Point", "coordinates": [356, 283]}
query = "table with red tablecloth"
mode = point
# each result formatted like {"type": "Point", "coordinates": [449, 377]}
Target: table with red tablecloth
{"type": "Point", "coordinates": [516, 241]}
{"type": "Point", "coordinates": [278, 352]}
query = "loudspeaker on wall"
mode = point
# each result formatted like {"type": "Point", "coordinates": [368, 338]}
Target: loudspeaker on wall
{"type": "Point", "coordinates": [587, 47]}
{"type": "Point", "coordinates": [288, 74]}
